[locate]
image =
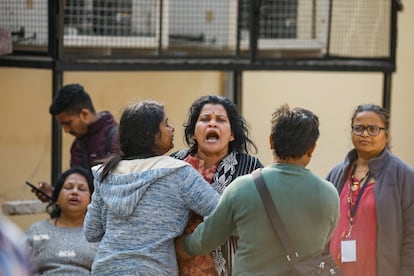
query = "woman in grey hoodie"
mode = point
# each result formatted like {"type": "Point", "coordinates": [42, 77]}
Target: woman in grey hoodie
{"type": "Point", "coordinates": [142, 198]}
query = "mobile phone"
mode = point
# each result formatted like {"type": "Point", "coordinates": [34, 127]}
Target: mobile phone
{"type": "Point", "coordinates": [37, 189]}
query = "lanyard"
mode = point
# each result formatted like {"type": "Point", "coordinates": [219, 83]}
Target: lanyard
{"type": "Point", "coordinates": [353, 207]}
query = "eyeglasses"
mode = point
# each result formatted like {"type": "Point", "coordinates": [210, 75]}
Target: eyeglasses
{"type": "Point", "coordinates": [372, 130]}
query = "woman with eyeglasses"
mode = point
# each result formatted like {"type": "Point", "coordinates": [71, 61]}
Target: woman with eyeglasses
{"type": "Point", "coordinates": [375, 233]}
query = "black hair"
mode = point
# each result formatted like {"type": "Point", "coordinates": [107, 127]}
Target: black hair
{"type": "Point", "coordinates": [294, 131]}
{"type": "Point", "coordinates": [138, 127]}
{"type": "Point", "coordinates": [238, 124]}
{"type": "Point", "coordinates": [71, 98]}
{"type": "Point", "coordinates": [382, 112]}
{"type": "Point", "coordinates": [52, 208]}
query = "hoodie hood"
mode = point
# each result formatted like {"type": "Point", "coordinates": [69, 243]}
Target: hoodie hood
{"type": "Point", "coordinates": [124, 187]}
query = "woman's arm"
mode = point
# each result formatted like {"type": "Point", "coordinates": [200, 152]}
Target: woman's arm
{"type": "Point", "coordinates": [93, 226]}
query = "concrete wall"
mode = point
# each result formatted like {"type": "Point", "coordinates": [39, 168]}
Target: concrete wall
{"type": "Point", "coordinates": [25, 141]}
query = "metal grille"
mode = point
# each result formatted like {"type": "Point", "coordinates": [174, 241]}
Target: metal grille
{"type": "Point", "coordinates": [78, 17]}
{"type": "Point", "coordinates": [278, 19]}
{"type": "Point", "coordinates": [360, 28]}
{"type": "Point", "coordinates": [111, 24]}
{"type": "Point", "coordinates": [208, 29]}
{"type": "Point", "coordinates": [26, 20]}
{"type": "Point", "coordinates": [202, 24]}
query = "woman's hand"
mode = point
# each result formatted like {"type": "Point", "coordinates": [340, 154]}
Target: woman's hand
{"type": "Point", "coordinates": [179, 248]}
{"type": "Point", "coordinates": [46, 188]}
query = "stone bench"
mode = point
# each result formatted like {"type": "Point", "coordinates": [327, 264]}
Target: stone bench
{"type": "Point", "coordinates": [23, 207]}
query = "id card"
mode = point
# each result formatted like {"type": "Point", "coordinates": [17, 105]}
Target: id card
{"type": "Point", "coordinates": [348, 251]}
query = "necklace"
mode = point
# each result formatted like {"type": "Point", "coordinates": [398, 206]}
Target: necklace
{"type": "Point", "coordinates": [355, 193]}
{"type": "Point", "coordinates": [355, 181]}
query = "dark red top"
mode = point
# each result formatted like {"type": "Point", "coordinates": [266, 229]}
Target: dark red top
{"type": "Point", "coordinates": [98, 142]}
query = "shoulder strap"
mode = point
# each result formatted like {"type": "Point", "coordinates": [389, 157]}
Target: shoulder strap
{"type": "Point", "coordinates": [274, 216]}
{"type": "Point", "coordinates": [110, 138]}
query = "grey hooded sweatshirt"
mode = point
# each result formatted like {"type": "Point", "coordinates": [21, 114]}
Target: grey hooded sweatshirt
{"type": "Point", "coordinates": [138, 211]}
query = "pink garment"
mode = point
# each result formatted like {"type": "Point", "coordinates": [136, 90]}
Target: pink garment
{"type": "Point", "coordinates": [198, 265]}
{"type": "Point", "coordinates": [364, 231]}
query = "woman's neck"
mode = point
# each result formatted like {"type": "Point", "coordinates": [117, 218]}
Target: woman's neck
{"type": "Point", "coordinates": [362, 162]}
{"type": "Point", "coordinates": [68, 221]}
{"type": "Point", "coordinates": [365, 157]}
{"type": "Point", "coordinates": [360, 168]}
{"type": "Point", "coordinates": [210, 159]}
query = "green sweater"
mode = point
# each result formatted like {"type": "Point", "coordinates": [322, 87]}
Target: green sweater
{"type": "Point", "coordinates": [308, 206]}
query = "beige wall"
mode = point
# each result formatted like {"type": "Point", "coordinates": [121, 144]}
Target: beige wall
{"type": "Point", "coordinates": [25, 135]}
{"type": "Point", "coordinates": [332, 96]}
{"type": "Point", "coordinates": [25, 138]}
{"type": "Point", "coordinates": [177, 90]}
